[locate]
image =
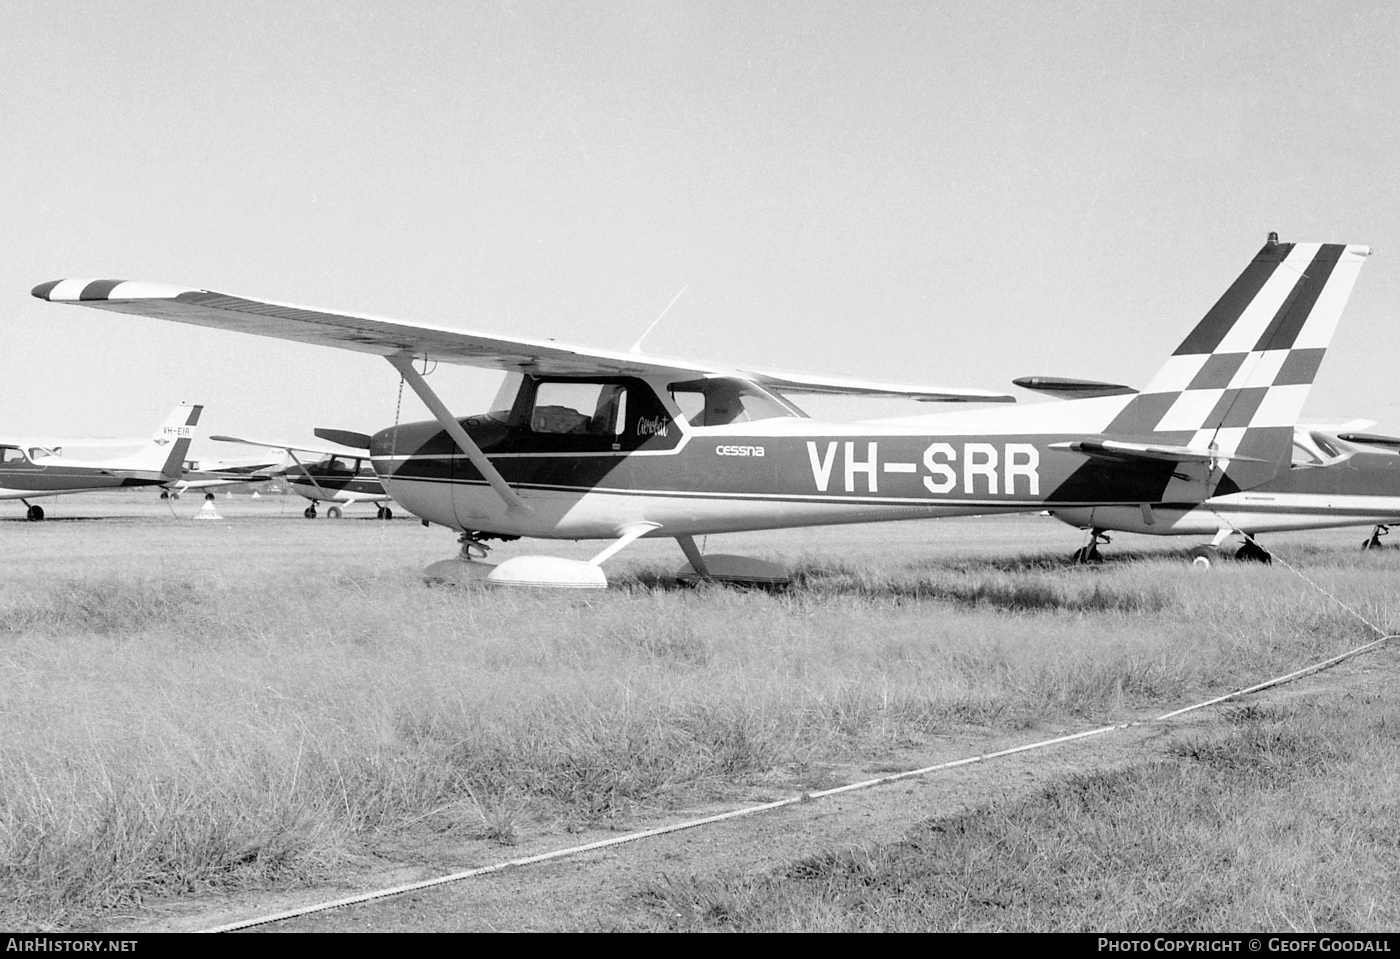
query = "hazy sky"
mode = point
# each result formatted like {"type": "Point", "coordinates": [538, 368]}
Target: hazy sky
{"type": "Point", "coordinates": [931, 192]}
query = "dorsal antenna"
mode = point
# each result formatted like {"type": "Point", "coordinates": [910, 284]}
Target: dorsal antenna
{"type": "Point", "coordinates": [637, 346]}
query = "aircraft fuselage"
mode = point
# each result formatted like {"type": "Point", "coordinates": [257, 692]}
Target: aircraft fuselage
{"type": "Point", "coordinates": [23, 475]}
{"type": "Point", "coordinates": [339, 479]}
{"type": "Point", "coordinates": [653, 466]}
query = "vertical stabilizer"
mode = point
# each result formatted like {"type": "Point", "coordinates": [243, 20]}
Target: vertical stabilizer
{"type": "Point", "coordinates": [166, 450]}
{"type": "Point", "coordinates": [1236, 385]}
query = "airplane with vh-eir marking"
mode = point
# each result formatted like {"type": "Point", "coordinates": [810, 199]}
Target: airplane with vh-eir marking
{"type": "Point", "coordinates": [30, 471]}
{"type": "Point", "coordinates": [592, 444]}
{"type": "Point", "coordinates": [338, 477]}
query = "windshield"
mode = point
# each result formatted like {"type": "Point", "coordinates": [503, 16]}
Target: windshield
{"type": "Point", "coordinates": [505, 397]}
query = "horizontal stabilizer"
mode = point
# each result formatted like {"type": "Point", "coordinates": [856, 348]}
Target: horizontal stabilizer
{"type": "Point", "coordinates": [1071, 389]}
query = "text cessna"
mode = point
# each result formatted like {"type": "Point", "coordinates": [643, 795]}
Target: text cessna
{"type": "Point", "coordinates": [1008, 469]}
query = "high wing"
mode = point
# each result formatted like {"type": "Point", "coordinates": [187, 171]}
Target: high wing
{"type": "Point", "coordinates": [392, 338]}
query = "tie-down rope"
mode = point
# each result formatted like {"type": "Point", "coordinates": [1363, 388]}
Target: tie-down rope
{"type": "Point", "coordinates": [823, 793]}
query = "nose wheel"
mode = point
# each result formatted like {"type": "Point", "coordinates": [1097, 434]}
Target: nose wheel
{"type": "Point", "coordinates": [1375, 540]}
{"type": "Point", "coordinates": [310, 511]}
{"type": "Point", "coordinates": [385, 513]}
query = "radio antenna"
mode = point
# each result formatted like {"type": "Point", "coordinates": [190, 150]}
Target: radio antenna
{"type": "Point", "coordinates": [637, 346]}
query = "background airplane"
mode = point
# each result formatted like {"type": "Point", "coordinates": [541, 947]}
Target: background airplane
{"type": "Point", "coordinates": [207, 474]}
{"type": "Point", "coordinates": [339, 476]}
{"type": "Point", "coordinates": [592, 444]}
{"type": "Point", "coordinates": [29, 472]}
{"type": "Point", "coordinates": [1333, 479]}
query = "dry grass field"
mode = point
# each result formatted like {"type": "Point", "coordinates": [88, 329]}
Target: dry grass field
{"type": "Point", "coordinates": [259, 701]}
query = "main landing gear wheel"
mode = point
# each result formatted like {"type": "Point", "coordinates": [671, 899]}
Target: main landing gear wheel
{"type": "Point", "coordinates": [35, 514]}
{"type": "Point", "coordinates": [165, 494]}
{"type": "Point", "coordinates": [1204, 557]}
{"type": "Point", "coordinates": [1375, 541]}
{"type": "Point", "coordinates": [385, 513]}
{"type": "Point", "coordinates": [1251, 551]}
{"type": "Point", "coordinates": [1089, 553]}
{"type": "Point", "coordinates": [333, 513]}
{"type": "Point", "coordinates": [309, 512]}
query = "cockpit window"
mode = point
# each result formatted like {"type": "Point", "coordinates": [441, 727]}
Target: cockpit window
{"type": "Point", "coordinates": [1311, 449]}
{"type": "Point", "coordinates": [720, 401]}
{"type": "Point", "coordinates": [1302, 456]}
{"type": "Point", "coordinates": [589, 409]}
{"type": "Point", "coordinates": [9, 456]}
{"type": "Point", "coordinates": [343, 465]}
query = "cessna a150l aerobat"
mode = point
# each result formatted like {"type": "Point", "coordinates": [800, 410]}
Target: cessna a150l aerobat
{"type": "Point", "coordinates": [338, 477]}
{"type": "Point", "coordinates": [591, 444]}
{"type": "Point", "coordinates": [30, 471]}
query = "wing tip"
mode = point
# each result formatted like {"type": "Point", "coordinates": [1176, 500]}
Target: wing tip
{"type": "Point", "coordinates": [96, 291]}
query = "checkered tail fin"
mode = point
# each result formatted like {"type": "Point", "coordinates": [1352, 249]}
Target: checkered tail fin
{"type": "Point", "coordinates": [1237, 384]}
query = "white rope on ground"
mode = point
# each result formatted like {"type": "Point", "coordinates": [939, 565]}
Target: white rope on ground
{"type": "Point", "coordinates": [820, 794]}
{"type": "Point", "coordinates": [766, 807]}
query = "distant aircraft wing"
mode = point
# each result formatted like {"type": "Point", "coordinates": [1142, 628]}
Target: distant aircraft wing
{"type": "Point", "coordinates": [359, 441]}
{"type": "Point", "coordinates": [1066, 388]}
{"type": "Point", "coordinates": [389, 338]}
{"type": "Point", "coordinates": [1123, 451]}
{"type": "Point", "coordinates": [290, 447]}
{"type": "Point", "coordinates": [1371, 439]}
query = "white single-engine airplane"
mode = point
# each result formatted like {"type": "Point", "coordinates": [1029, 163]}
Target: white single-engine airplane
{"type": "Point", "coordinates": [338, 476]}
{"type": "Point", "coordinates": [206, 474]}
{"type": "Point", "coordinates": [28, 472]}
{"type": "Point", "coordinates": [591, 444]}
{"type": "Point", "coordinates": [1335, 478]}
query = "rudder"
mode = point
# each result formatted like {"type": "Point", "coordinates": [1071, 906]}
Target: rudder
{"type": "Point", "coordinates": [1236, 385]}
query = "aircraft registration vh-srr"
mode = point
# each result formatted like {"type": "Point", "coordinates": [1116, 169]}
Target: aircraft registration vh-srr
{"type": "Point", "coordinates": [591, 444]}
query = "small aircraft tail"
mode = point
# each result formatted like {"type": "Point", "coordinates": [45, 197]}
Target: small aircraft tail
{"type": "Point", "coordinates": [1232, 392]}
{"type": "Point", "coordinates": [166, 450]}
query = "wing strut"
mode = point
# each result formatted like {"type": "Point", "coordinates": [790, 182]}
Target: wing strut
{"type": "Point", "coordinates": [404, 364]}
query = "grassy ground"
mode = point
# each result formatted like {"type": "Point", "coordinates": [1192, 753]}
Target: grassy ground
{"type": "Point", "coordinates": [1287, 824]}
{"type": "Point", "coordinates": [261, 699]}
